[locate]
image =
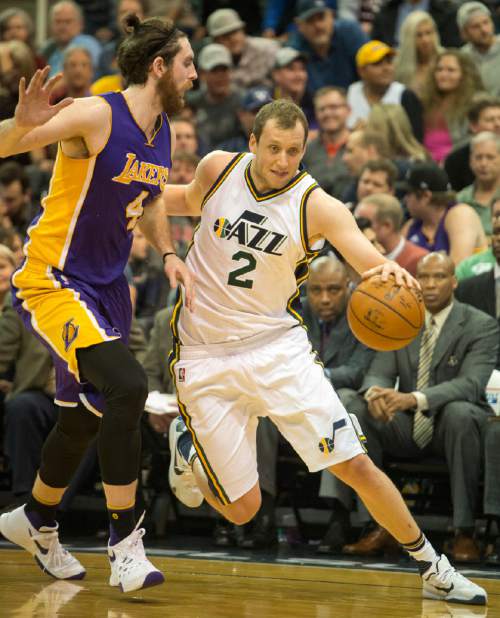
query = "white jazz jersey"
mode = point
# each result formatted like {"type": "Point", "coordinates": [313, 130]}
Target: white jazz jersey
{"type": "Point", "coordinates": [250, 255]}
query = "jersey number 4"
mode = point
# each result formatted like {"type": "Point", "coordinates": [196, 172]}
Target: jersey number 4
{"type": "Point", "coordinates": [135, 209]}
{"type": "Point", "coordinates": [235, 275]}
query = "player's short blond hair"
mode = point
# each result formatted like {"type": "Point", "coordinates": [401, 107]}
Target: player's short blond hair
{"type": "Point", "coordinates": [284, 112]}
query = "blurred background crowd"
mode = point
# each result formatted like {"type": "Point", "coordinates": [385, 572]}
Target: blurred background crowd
{"type": "Point", "coordinates": [403, 101]}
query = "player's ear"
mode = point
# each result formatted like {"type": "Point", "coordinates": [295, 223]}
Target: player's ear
{"type": "Point", "coordinates": [252, 143]}
{"type": "Point", "coordinates": [158, 66]}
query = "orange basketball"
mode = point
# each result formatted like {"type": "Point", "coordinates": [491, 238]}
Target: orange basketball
{"type": "Point", "coordinates": [383, 315]}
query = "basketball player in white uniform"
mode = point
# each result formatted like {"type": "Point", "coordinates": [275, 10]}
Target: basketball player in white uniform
{"type": "Point", "coordinates": [242, 353]}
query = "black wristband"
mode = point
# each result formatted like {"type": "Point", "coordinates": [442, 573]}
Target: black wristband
{"type": "Point", "coordinates": [166, 255]}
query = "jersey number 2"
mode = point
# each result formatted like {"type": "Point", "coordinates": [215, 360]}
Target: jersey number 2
{"type": "Point", "coordinates": [234, 275]}
{"type": "Point", "coordinates": [135, 209]}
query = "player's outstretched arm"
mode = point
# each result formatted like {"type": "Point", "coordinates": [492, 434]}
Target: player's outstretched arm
{"type": "Point", "coordinates": [187, 200]}
{"type": "Point", "coordinates": [328, 218]}
{"type": "Point", "coordinates": [37, 123]}
{"type": "Point", "coordinates": [155, 226]}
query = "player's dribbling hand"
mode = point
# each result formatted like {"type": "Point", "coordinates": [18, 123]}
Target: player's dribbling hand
{"type": "Point", "coordinates": [33, 108]}
{"type": "Point", "coordinates": [389, 268]}
{"type": "Point", "coordinates": [177, 272]}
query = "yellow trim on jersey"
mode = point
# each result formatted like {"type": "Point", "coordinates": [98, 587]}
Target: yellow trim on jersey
{"type": "Point", "coordinates": [175, 355]}
{"type": "Point", "coordinates": [260, 197]}
{"type": "Point", "coordinates": [303, 220]}
{"type": "Point", "coordinates": [50, 237]}
{"type": "Point", "coordinates": [155, 132]}
{"type": "Point", "coordinates": [308, 255]}
{"type": "Point", "coordinates": [174, 358]}
{"type": "Point", "coordinates": [52, 308]}
{"type": "Point", "coordinates": [149, 141]}
{"type": "Point", "coordinates": [222, 177]}
{"type": "Point", "coordinates": [214, 481]}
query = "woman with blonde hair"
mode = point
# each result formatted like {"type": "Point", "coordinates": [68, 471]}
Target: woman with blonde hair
{"type": "Point", "coordinates": [391, 121]}
{"type": "Point", "coordinates": [447, 95]}
{"type": "Point", "coordinates": [418, 47]}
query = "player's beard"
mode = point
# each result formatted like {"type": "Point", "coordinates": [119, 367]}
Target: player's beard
{"type": "Point", "coordinates": [172, 101]}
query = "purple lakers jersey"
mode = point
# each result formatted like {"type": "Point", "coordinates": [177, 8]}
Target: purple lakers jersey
{"type": "Point", "coordinates": [85, 226]}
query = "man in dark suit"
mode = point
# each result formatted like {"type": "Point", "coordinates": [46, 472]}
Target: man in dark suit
{"type": "Point", "coordinates": [345, 360]}
{"type": "Point", "coordinates": [324, 313]}
{"type": "Point", "coordinates": [440, 407]}
{"type": "Point", "coordinates": [483, 292]}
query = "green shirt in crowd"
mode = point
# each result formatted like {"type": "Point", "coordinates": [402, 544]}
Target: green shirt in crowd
{"type": "Point", "coordinates": [475, 264]}
{"type": "Point", "coordinates": [466, 196]}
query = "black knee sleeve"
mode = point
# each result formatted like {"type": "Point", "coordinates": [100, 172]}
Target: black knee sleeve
{"type": "Point", "coordinates": [66, 444]}
{"type": "Point", "coordinates": [113, 370]}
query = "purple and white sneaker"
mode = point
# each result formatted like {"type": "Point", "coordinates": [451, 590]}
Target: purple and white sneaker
{"type": "Point", "coordinates": [130, 569]}
{"type": "Point", "coordinates": [42, 543]}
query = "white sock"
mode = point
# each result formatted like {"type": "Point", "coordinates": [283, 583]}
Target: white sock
{"type": "Point", "coordinates": [423, 552]}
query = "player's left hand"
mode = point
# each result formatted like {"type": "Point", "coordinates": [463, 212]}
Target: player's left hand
{"type": "Point", "coordinates": [389, 268]}
{"type": "Point", "coordinates": [177, 272]}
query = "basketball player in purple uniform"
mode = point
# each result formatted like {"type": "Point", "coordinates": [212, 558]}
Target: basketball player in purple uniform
{"type": "Point", "coordinates": [113, 161]}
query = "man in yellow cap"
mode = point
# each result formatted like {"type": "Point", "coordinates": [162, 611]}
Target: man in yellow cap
{"type": "Point", "coordinates": [374, 61]}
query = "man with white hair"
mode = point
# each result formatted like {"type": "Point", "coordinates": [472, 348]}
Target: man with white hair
{"type": "Point", "coordinates": [66, 26]}
{"type": "Point", "coordinates": [485, 165]}
{"type": "Point", "coordinates": [482, 45]}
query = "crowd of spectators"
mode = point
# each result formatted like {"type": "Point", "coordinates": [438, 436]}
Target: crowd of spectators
{"type": "Point", "coordinates": [403, 101]}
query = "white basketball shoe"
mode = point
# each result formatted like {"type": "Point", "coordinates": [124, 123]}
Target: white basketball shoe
{"type": "Point", "coordinates": [130, 568]}
{"type": "Point", "coordinates": [180, 472]}
{"type": "Point", "coordinates": [443, 582]}
{"type": "Point", "coordinates": [43, 544]}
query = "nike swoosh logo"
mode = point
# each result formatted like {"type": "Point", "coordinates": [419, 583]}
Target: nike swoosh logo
{"type": "Point", "coordinates": [178, 471]}
{"type": "Point", "coordinates": [41, 549]}
{"type": "Point", "coordinates": [445, 589]}
{"type": "Point", "coordinates": [112, 556]}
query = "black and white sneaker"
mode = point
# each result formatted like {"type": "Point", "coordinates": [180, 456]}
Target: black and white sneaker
{"type": "Point", "coordinates": [180, 473]}
{"type": "Point", "coordinates": [442, 582]}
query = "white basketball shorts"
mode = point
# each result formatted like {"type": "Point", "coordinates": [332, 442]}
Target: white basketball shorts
{"type": "Point", "coordinates": [222, 396]}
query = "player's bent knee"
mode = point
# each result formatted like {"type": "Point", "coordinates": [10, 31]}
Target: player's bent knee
{"type": "Point", "coordinates": [357, 471]}
{"type": "Point", "coordinates": [131, 387]}
{"type": "Point", "coordinates": [245, 508]}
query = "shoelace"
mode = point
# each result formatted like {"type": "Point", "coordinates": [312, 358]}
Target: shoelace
{"type": "Point", "coordinates": [57, 555]}
{"type": "Point", "coordinates": [136, 543]}
{"type": "Point", "coordinates": [135, 548]}
{"type": "Point", "coordinates": [447, 574]}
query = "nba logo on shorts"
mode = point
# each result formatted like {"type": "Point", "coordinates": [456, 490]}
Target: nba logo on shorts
{"type": "Point", "coordinates": [182, 374]}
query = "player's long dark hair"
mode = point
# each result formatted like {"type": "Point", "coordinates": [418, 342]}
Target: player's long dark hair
{"type": "Point", "coordinates": [146, 41]}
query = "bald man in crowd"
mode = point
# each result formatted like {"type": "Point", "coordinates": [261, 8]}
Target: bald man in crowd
{"type": "Point", "coordinates": [324, 313]}
{"type": "Point", "coordinates": [440, 406]}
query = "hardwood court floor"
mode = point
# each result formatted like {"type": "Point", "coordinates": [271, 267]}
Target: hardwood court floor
{"type": "Point", "coordinates": [217, 589]}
